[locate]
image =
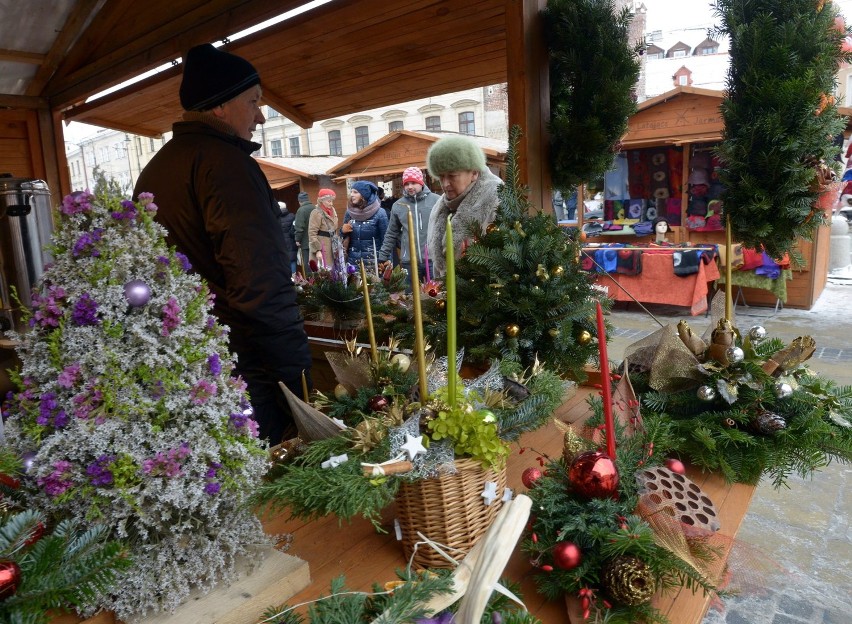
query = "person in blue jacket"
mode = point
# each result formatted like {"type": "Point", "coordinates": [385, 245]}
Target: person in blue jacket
{"type": "Point", "coordinates": [364, 225]}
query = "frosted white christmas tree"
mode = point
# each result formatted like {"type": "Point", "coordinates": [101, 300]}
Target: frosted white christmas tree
{"type": "Point", "coordinates": [126, 407]}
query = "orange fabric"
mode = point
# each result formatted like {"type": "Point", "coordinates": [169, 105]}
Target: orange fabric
{"type": "Point", "coordinates": [658, 284]}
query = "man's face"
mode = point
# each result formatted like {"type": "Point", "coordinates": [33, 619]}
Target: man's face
{"type": "Point", "coordinates": [412, 188]}
{"type": "Point", "coordinates": [454, 183]}
{"type": "Point", "coordinates": [242, 113]}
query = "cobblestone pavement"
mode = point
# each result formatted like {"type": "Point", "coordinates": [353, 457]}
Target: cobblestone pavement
{"type": "Point", "coordinates": [799, 536]}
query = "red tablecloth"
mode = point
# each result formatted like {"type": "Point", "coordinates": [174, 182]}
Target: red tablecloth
{"type": "Point", "coordinates": [657, 283]}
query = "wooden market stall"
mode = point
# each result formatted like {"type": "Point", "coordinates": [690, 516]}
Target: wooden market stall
{"type": "Point", "coordinates": [666, 168]}
{"type": "Point", "coordinates": [385, 159]}
{"type": "Point", "coordinates": [290, 175]}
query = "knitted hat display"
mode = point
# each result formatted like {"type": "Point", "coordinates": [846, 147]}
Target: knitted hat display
{"type": "Point", "coordinates": [212, 77]}
{"type": "Point", "coordinates": [662, 220]}
{"type": "Point", "coordinates": [368, 190]}
{"type": "Point", "coordinates": [303, 197]}
{"type": "Point", "coordinates": [326, 193]}
{"type": "Point", "coordinates": [454, 153]}
{"type": "Point", "coordinates": [412, 174]}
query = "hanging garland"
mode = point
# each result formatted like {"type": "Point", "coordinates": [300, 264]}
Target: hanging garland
{"type": "Point", "coordinates": [593, 74]}
{"type": "Point", "coordinates": [780, 117]}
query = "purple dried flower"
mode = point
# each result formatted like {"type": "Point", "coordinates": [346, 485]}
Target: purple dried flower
{"type": "Point", "coordinates": [184, 261]}
{"type": "Point", "coordinates": [69, 375]}
{"type": "Point", "coordinates": [127, 212]}
{"type": "Point", "coordinates": [48, 307]}
{"type": "Point", "coordinates": [77, 202]}
{"type": "Point", "coordinates": [86, 402]}
{"type": "Point", "coordinates": [171, 316]}
{"type": "Point", "coordinates": [214, 364]}
{"type": "Point", "coordinates": [86, 245]}
{"type": "Point", "coordinates": [203, 390]}
{"type": "Point", "coordinates": [166, 464]}
{"type": "Point", "coordinates": [50, 414]}
{"type": "Point", "coordinates": [146, 200]}
{"type": "Point", "coordinates": [85, 311]}
{"type": "Point", "coordinates": [98, 471]}
{"type": "Point", "coordinates": [58, 481]}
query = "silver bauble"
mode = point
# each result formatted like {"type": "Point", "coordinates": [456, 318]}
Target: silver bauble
{"type": "Point", "coordinates": [757, 333]}
{"type": "Point", "coordinates": [706, 393]}
{"type": "Point", "coordinates": [734, 355]}
{"type": "Point", "coordinates": [783, 390]}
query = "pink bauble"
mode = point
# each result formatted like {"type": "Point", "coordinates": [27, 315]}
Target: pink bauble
{"type": "Point", "coordinates": [593, 475]}
{"type": "Point", "coordinates": [530, 476]}
{"type": "Point", "coordinates": [675, 465]}
{"type": "Point", "coordinates": [567, 555]}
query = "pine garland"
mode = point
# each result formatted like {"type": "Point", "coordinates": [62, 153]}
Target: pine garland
{"type": "Point", "coordinates": [780, 118]}
{"type": "Point", "coordinates": [593, 74]}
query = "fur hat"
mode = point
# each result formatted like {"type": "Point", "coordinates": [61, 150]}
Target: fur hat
{"type": "Point", "coordinates": [368, 190]}
{"type": "Point", "coordinates": [212, 77]}
{"type": "Point", "coordinates": [412, 174]}
{"type": "Point", "coordinates": [455, 153]}
{"type": "Point", "coordinates": [303, 197]}
{"type": "Point", "coordinates": [326, 193]}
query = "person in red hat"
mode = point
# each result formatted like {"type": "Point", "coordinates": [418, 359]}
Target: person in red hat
{"type": "Point", "coordinates": [322, 230]}
{"type": "Point", "coordinates": [220, 212]}
{"type": "Point", "coordinates": [417, 199]}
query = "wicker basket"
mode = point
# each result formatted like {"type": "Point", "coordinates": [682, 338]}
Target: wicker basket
{"type": "Point", "coordinates": [449, 510]}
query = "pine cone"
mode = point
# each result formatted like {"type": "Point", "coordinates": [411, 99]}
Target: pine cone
{"type": "Point", "coordinates": [767, 423]}
{"type": "Point", "coordinates": [628, 581]}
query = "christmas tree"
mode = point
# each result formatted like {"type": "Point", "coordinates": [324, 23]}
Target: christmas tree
{"type": "Point", "coordinates": [521, 293]}
{"type": "Point", "coordinates": [126, 406]}
{"type": "Point", "coordinates": [593, 73]}
{"type": "Point", "coordinates": [780, 118]}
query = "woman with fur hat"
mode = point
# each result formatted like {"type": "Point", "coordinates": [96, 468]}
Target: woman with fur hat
{"type": "Point", "coordinates": [322, 230]}
{"type": "Point", "coordinates": [364, 224]}
{"type": "Point", "coordinates": [470, 195]}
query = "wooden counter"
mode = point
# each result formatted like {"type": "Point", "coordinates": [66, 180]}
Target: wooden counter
{"type": "Point", "coordinates": [333, 548]}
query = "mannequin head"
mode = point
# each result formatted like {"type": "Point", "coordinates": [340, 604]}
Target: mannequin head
{"type": "Point", "coordinates": [661, 228]}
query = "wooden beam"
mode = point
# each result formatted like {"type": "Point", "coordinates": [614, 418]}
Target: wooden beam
{"type": "Point", "coordinates": [22, 101]}
{"type": "Point", "coordinates": [19, 56]}
{"type": "Point", "coordinates": [286, 108]}
{"type": "Point", "coordinates": [529, 95]}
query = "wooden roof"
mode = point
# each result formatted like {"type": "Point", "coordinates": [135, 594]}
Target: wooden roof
{"type": "Point", "coordinates": [332, 60]}
{"type": "Point", "coordinates": [682, 115]}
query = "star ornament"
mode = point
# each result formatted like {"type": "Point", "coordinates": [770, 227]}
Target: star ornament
{"type": "Point", "coordinates": [413, 446]}
{"type": "Point", "coordinates": [489, 494]}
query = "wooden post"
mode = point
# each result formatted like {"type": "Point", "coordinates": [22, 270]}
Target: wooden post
{"type": "Point", "coordinates": [529, 95]}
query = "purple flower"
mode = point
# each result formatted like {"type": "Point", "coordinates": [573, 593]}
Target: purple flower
{"type": "Point", "coordinates": [98, 471]}
{"type": "Point", "coordinates": [203, 390]}
{"type": "Point", "coordinates": [86, 245]}
{"type": "Point", "coordinates": [212, 488]}
{"type": "Point", "coordinates": [58, 481]}
{"type": "Point", "coordinates": [166, 464]}
{"type": "Point", "coordinates": [146, 200]}
{"type": "Point", "coordinates": [171, 316]}
{"type": "Point", "coordinates": [85, 311]}
{"type": "Point", "coordinates": [445, 617]}
{"type": "Point", "coordinates": [48, 307]}
{"type": "Point", "coordinates": [164, 260]}
{"type": "Point", "coordinates": [86, 402]}
{"type": "Point", "coordinates": [243, 423]}
{"type": "Point", "coordinates": [77, 202]}
{"type": "Point", "coordinates": [69, 375]}
{"type": "Point", "coordinates": [214, 364]}
{"type": "Point", "coordinates": [158, 390]}
{"type": "Point", "coordinates": [184, 261]}
{"type": "Point", "coordinates": [127, 212]}
{"type": "Point", "coordinates": [50, 414]}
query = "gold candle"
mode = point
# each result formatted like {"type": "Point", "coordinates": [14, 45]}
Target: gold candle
{"type": "Point", "coordinates": [374, 353]}
{"type": "Point", "coordinates": [305, 393]}
{"type": "Point", "coordinates": [419, 345]}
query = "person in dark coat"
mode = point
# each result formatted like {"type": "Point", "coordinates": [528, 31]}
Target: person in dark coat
{"type": "Point", "coordinates": [364, 224]}
{"type": "Point", "coordinates": [220, 212]}
{"type": "Point", "coordinates": [286, 220]}
{"type": "Point", "coordinates": [303, 218]}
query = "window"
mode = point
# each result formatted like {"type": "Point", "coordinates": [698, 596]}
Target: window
{"type": "Point", "coordinates": [709, 50]}
{"type": "Point", "coordinates": [362, 137]}
{"type": "Point", "coordinates": [466, 123]}
{"type": "Point", "coordinates": [151, 145]}
{"type": "Point", "coordinates": [335, 147]}
{"type": "Point", "coordinates": [295, 150]}
{"type": "Point", "coordinates": [683, 80]}
{"type": "Point", "coordinates": [433, 123]}
{"type": "Point", "coordinates": [679, 53]}
{"type": "Point", "coordinates": [104, 154]}
{"type": "Point", "coordinates": [90, 158]}
{"type": "Point", "coordinates": [275, 148]}
{"type": "Point", "coordinates": [271, 112]}
{"type": "Point", "coordinates": [395, 126]}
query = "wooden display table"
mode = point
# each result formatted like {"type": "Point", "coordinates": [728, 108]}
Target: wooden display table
{"type": "Point", "coordinates": [333, 548]}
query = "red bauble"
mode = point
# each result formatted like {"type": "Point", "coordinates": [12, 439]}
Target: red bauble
{"type": "Point", "coordinates": [378, 403]}
{"type": "Point", "coordinates": [530, 476]}
{"type": "Point", "coordinates": [567, 555]}
{"type": "Point", "coordinates": [36, 535]}
{"type": "Point", "coordinates": [10, 577]}
{"type": "Point", "coordinates": [593, 475]}
{"type": "Point", "coordinates": [676, 466]}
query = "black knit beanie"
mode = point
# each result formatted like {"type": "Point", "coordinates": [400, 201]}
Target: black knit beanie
{"type": "Point", "coordinates": [212, 77]}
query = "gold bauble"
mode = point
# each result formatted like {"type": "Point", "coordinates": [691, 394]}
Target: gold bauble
{"type": "Point", "coordinates": [402, 361]}
{"type": "Point", "coordinates": [441, 304]}
{"type": "Point", "coordinates": [553, 332]}
{"type": "Point", "coordinates": [557, 271]}
{"type": "Point", "coordinates": [340, 391]}
{"type": "Point", "coordinates": [491, 227]}
{"type": "Point", "coordinates": [512, 330]}
{"type": "Point", "coordinates": [541, 272]}
{"type": "Point", "coordinates": [584, 337]}
{"type": "Point", "coordinates": [516, 277]}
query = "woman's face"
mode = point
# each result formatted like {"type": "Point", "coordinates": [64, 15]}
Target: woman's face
{"type": "Point", "coordinates": [355, 197]}
{"type": "Point", "coordinates": [327, 201]}
{"type": "Point", "coordinates": [454, 183]}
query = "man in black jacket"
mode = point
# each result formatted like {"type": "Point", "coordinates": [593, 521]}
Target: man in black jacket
{"type": "Point", "coordinates": [220, 212]}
